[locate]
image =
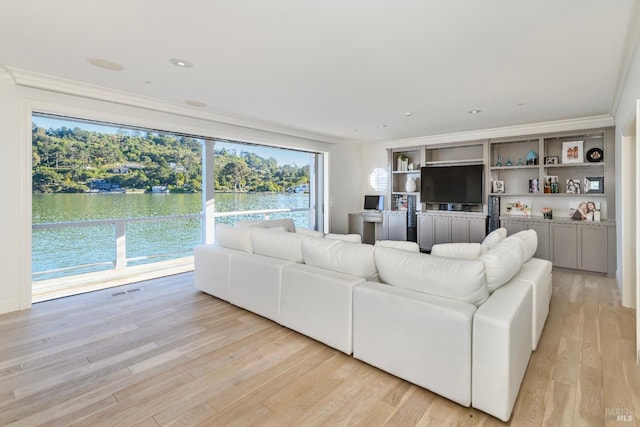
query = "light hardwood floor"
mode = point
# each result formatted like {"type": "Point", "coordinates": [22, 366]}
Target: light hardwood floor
{"type": "Point", "coordinates": [162, 353]}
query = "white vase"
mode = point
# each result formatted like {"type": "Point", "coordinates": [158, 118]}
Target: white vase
{"type": "Point", "coordinates": [410, 185]}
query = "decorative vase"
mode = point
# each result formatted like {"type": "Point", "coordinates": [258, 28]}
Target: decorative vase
{"type": "Point", "coordinates": [499, 162]}
{"type": "Point", "coordinates": [509, 163]}
{"type": "Point", "coordinates": [532, 158]}
{"type": "Point", "coordinates": [410, 185]}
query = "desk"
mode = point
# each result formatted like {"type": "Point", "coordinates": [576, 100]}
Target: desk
{"type": "Point", "coordinates": [368, 224]}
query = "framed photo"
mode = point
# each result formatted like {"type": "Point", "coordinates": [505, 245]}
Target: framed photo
{"type": "Point", "coordinates": [534, 185]}
{"type": "Point", "coordinates": [519, 208]}
{"type": "Point", "coordinates": [497, 187]}
{"type": "Point", "coordinates": [551, 184]}
{"type": "Point", "coordinates": [585, 211]}
{"type": "Point", "coordinates": [572, 152]}
{"type": "Point", "coordinates": [573, 186]}
{"type": "Point", "coordinates": [594, 184]}
{"type": "Point", "coordinates": [551, 160]}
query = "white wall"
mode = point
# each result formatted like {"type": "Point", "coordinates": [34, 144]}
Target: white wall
{"type": "Point", "coordinates": [15, 173]}
{"type": "Point", "coordinates": [625, 116]}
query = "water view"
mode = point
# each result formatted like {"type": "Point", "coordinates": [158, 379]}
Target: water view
{"type": "Point", "coordinates": [72, 246]}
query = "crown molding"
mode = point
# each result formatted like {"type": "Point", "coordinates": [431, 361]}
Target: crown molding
{"type": "Point", "coordinates": [85, 90]}
{"type": "Point", "coordinates": [4, 74]}
{"type": "Point", "coordinates": [502, 132]}
{"type": "Point", "coordinates": [631, 41]}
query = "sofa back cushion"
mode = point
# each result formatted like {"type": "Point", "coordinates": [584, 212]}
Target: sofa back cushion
{"type": "Point", "coordinates": [344, 257]}
{"type": "Point", "coordinates": [493, 238]}
{"type": "Point", "coordinates": [458, 279]}
{"type": "Point", "coordinates": [233, 237]}
{"type": "Point", "coordinates": [502, 262]}
{"type": "Point", "coordinates": [287, 223]}
{"type": "Point", "coordinates": [278, 244]}
{"type": "Point", "coordinates": [309, 232]}
{"type": "Point", "coordinates": [457, 250]}
{"type": "Point", "coordinates": [354, 238]}
{"type": "Point", "coordinates": [529, 240]}
{"type": "Point", "coordinates": [407, 246]}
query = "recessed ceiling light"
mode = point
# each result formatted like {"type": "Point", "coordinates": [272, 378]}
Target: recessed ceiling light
{"type": "Point", "coordinates": [408, 114]}
{"type": "Point", "coordinates": [475, 111]}
{"type": "Point", "coordinates": [181, 63]}
{"type": "Point", "coordinates": [195, 103]}
{"type": "Point", "coordinates": [107, 65]}
{"type": "Point", "coordinates": [382, 126]}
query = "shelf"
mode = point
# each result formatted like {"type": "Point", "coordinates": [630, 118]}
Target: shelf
{"type": "Point", "coordinates": [548, 194]}
{"type": "Point", "coordinates": [575, 165]}
{"type": "Point", "coordinates": [404, 193]}
{"type": "Point", "coordinates": [407, 172]}
{"type": "Point", "coordinates": [514, 167]}
{"type": "Point", "coordinates": [453, 162]}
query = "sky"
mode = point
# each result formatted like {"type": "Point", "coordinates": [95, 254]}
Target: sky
{"type": "Point", "coordinates": [282, 155]}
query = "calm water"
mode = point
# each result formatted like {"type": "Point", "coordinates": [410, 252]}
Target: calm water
{"type": "Point", "coordinates": [73, 246]}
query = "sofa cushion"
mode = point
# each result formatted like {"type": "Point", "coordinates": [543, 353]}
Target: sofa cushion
{"type": "Point", "coordinates": [502, 262]}
{"type": "Point", "coordinates": [458, 279]}
{"type": "Point", "coordinates": [309, 232]}
{"type": "Point", "coordinates": [355, 259]}
{"type": "Point", "coordinates": [529, 240]}
{"type": "Point", "coordinates": [354, 238]}
{"type": "Point", "coordinates": [457, 250]}
{"type": "Point", "coordinates": [493, 238]}
{"type": "Point", "coordinates": [287, 223]}
{"type": "Point", "coordinates": [407, 246]}
{"type": "Point", "coordinates": [233, 237]}
{"type": "Point", "coordinates": [278, 244]}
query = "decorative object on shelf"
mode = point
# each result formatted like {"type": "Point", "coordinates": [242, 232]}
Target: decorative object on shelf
{"type": "Point", "coordinates": [532, 158]}
{"type": "Point", "coordinates": [499, 162]}
{"type": "Point", "coordinates": [573, 186]}
{"type": "Point", "coordinates": [519, 208]}
{"type": "Point", "coordinates": [547, 213]}
{"type": "Point", "coordinates": [534, 186]}
{"type": "Point", "coordinates": [572, 152]}
{"type": "Point", "coordinates": [551, 183]}
{"type": "Point", "coordinates": [586, 211]}
{"type": "Point", "coordinates": [410, 185]}
{"type": "Point", "coordinates": [520, 163]}
{"type": "Point", "coordinates": [594, 184]}
{"type": "Point", "coordinates": [551, 160]}
{"type": "Point", "coordinates": [555, 188]}
{"type": "Point", "coordinates": [497, 186]}
{"type": "Point", "coordinates": [403, 162]}
{"type": "Point", "coordinates": [401, 202]}
{"type": "Point", "coordinates": [595, 155]}
{"type": "Point", "coordinates": [410, 166]}
{"type": "Point", "coordinates": [509, 163]}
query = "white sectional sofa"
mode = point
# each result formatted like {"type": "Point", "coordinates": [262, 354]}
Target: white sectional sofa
{"type": "Point", "coordinates": [461, 322]}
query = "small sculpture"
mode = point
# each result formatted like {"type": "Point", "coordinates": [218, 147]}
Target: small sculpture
{"type": "Point", "coordinates": [532, 158]}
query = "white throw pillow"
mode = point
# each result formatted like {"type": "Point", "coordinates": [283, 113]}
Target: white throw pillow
{"type": "Point", "coordinates": [344, 257]}
{"type": "Point", "coordinates": [354, 238]}
{"type": "Point", "coordinates": [309, 232]}
{"type": "Point", "coordinates": [406, 246]}
{"type": "Point", "coordinates": [529, 239]}
{"type": "Point", "coordinates": [502, 262]}
{"type": "Point", "coordinates": [457, 250]}
{"type": "Point", "coordinates": [458, 279]}
{"type": "Point", "coordinates": [233, 237]}
{"type": "Point", "coordinates": [287, 223]}
{"type": "Point", "coordinates": [495, 237]}
{"type": "Point", "coordinates": [278, 244]}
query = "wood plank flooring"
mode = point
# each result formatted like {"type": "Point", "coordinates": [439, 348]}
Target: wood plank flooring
{"type": "Point", "coordinates": [160, 353]}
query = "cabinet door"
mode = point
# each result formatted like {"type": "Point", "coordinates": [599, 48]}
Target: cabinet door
{"type": "Point", "coordinates": [459, 229]}
{"type": "Point", "coordinates": [441, 232]}
{"type": "Point", "coordinates": [355, 223]}
{"type": "Point", "coordinates": [542, 230]}
{"type": "Point", "coordinates": [592, 248]}
{"type": "Point", "coordinates": [564, 251]}
{"type": "Point", "coordinates": [397, 226]}
{"type": "Point", "coordinates": [477, 230]}
{"type": "Point", "coordinates": [513, 226]}
{"type": "Point", "coordinates": [425, 231]}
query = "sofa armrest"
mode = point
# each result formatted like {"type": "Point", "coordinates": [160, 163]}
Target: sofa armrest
{"type": "Point", "coordinates": [421, 338]}
{"type": "Point", "coordinates": [501, 348]}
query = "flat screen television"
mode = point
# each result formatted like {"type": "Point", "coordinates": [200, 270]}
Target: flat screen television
{"type": "Point", "coordinates": [461, 184]}
{"type": "Point", "coordinates": [373, 203]}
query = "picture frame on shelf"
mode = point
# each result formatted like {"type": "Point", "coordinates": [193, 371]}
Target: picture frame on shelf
{"type": "Point", "coordinates": [534, 185]}
{"type": "Point", "coordinates": [497, 186]}
{"type": "Point", "coordinates": [551, 184]}
{"type": "Point", "coordinates": [585, 211]}
{"type": "Point", "coordinates": [551, 160]}
{"type": "Point", "coordinates": [573, 186]}
{"type": "Point", "coordinates": [573, 152]}
{"type": "Point", "coordinates": [594, 184]}
{"type": "Point", "coordinates": [519, 208]}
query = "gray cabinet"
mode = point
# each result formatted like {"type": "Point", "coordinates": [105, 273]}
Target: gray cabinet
{"type": "Point", "coordinates": [395, 225]}
{"type": "Point", "coordinates": [564, 251]}
{"type": "Point", "coordinates": [592, 248]}
{"type": "Point", "coordinates": [541, 227]}
{"type": "Point", "coordinates": [435, 227]}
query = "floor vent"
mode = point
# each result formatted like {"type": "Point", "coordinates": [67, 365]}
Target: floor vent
{"type": "Point", "coordinates": [118, 294]}
{"type": "Point", "coordinates": [128, 291]}
{"type": "Point", "coordinates": [133, 290]}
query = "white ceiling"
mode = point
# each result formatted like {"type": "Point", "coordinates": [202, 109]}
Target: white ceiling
{"type": "Point", "coordinates": [339, 68]}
